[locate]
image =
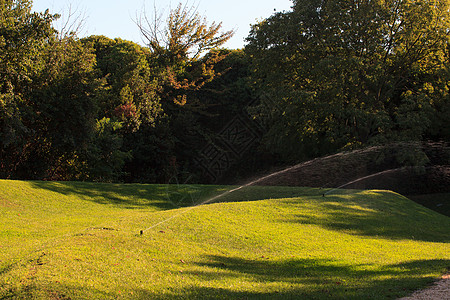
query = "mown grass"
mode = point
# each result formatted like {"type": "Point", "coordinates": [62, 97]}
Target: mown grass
{"type": "Point", "coordinates": [82, 241]}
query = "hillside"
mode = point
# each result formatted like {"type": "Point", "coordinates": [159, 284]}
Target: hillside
{"type": "Point", "coordinates": [81, 241]}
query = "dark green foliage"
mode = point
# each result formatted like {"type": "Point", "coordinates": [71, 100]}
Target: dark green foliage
{"type": "Point", "coordinates": [153, 153]}
{"type": "Point", "coordinates": [66, 105]}
{"type": "Point", "coordinates": [131, 99]}
{"type": "Point", "coordinates": [324, 77]}
{"type": "Point", "coordinates": [103, 109]}
{"type": "Point", "coordinates": [50, 96]}
{"type": "Point", "coordinates": [105, 159]}
{"type": "Point", "coordinates": [229, 94]}
{"type": "Point", "coordinates": [132, 84]}
{"type": "Point", "coordinates": [23, 37]}
{"type": "Point", "coordinates": [342, 74]}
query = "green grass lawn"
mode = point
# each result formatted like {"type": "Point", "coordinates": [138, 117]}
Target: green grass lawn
{"type": "Point", "coordinates": [82, 241]}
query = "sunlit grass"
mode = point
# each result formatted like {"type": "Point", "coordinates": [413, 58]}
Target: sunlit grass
{"type": "Point", "coordinates": [82, 241]}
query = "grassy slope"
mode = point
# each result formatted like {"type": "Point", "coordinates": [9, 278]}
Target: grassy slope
{"type": "Point", "coordinates": [81, 241]}
{"type": "Point", "coordinates": [438, 202]}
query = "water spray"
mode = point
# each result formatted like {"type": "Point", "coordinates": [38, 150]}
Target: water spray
{"type": "Point", "coordinates": [362, 178]}
{"type": "Point", "coordinates": [141, 232]}
{"type": "Point", "coordinates": [194, 206]}
{"type": "Point", "coordinates": [303, 164]}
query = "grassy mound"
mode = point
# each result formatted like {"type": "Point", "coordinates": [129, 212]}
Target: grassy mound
{"type": "Point", "coordinates": [82, 241]}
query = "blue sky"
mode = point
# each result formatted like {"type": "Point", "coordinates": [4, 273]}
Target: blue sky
{"type": "Point", "coordinates": [114, 18]}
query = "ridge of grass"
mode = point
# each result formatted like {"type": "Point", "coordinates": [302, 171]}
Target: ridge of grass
{"type": "Point", "coordinates": [439, 202]}
{"type": "Point", "coordinates": [81, 241]}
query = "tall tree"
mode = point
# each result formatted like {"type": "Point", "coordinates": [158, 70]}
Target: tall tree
{"type": "Point", "coordinates": [340, 74]}
{"type": "Point", "coordinates": [183, 49]}
{"type": "Point", "coordinates": [133, 84]}
{"type": "Point", "coordinates": [48, 96]}
{"type": "Point", "coordinates": [178, 45]}
{"type": "Point", "coordinates": [64, 100]}
{"type": "Point", "coordinates": [23, 38]}
{"type": "Point", "coordinates": [134, 122]}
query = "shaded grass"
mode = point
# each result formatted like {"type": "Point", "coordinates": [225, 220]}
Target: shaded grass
{"type": "Point", "coordinates": [380, 213]}
{"type": "Point", "coordinates": [81, 241]}
{"type": "Point", "coordinates": [135, 196]}
{"type": "Point", "coordinates": [437, 202]}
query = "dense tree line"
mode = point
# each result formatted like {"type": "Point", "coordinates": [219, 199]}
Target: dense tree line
{"type": "Point", "coordinates": [102, 109]}
{"type": "Point", "coordinates": [328, 75]}
{"type": "Point", "coordinates": [342, 74]}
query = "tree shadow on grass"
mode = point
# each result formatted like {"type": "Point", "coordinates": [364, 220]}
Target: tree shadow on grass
{"type": "Point", "coordinates": [163, 197]}
{"type": "Point", "coordinates": [225, 277]}
{"type": "Point", "coordinates": [376, 213]}
{"type": "Point", "coordinates": [133, 196]}
{"type": "Point", "coordinates": [308, 279]}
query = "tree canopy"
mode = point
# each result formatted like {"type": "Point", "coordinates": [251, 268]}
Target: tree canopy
{"type": "Point", "coordinates": [341, 74]}
{"type": "Point", "coordinates": [327, 76]}
{"type": "Point", "coordinates": [97, 108]}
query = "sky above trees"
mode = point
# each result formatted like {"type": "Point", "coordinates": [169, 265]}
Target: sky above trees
{"type": "Point", "coordinates": [114, 18]}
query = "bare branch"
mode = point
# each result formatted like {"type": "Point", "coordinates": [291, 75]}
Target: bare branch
{"type": "Point", "coordinates": [183, 33]}
{"type": "Point", "coordinates": [71, 23]}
